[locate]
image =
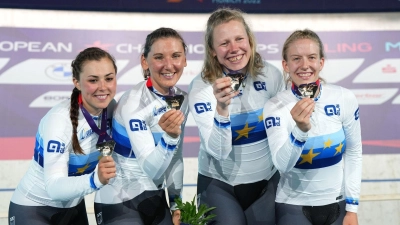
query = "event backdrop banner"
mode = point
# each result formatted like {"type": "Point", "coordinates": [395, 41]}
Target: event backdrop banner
{"type": "Point", "coordinates": [35, 74]}
{"type": "Point", "coordinates": [206, 6]}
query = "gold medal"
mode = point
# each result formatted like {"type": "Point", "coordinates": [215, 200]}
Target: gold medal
{"type": "Point", "coordinates": [106, 148]}
{"type": "Point", "coordinates": [308, 90]}
{"type": "Point", "coordinates": [236, 80]}
{"type": "Point", "coordinates": [174, 102]}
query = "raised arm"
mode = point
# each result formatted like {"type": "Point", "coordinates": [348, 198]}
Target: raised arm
{"type": "Point", "coordinates": [214, 129]}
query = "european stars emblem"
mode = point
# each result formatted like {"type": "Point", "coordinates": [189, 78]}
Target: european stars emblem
{"type": "Point", "coordinates": [260, 118]}
{"type": "Point", "coordinates": [244, 132]}
{"type": "Point", "coordinates": [328, 143]}
{"type": "Point", "coordinates": [339, 149]}
{"type": "Point", "coordinates": [82, 169]}
{"type": "Point", "coordinates": [308, 157]}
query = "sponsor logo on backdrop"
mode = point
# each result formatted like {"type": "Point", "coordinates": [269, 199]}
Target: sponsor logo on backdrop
{"type": "Point", "coordinates": [60, 71]}
{"type": "Point", "coordinates": [389, 69]}
{"type": "Point", "coordinates": [50, 99]}
{"type": "Point", "coordinates": [374, 96]}
{"type": "Point", "coordinates": [380, 72]}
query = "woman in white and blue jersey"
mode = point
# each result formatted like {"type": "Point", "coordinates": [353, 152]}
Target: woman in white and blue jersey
{"type": "Point", "coordinates": [148, 129]}
{"type": "Point", "coordinates": [315, 139]}
{"type": "Point", "coordinates": [66, 165]}
{"type": "Point", "coordinates": [236, 173]}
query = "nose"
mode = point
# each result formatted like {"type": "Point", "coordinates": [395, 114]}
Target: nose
{"type": "Point", "coordinates": [305, 64]}
{"type": "Point", "coordinates": [234, 47]}
{"type": "Point", "coordinates": [102, 84]}
{"type": "Point", "coordinates": [168, 63]}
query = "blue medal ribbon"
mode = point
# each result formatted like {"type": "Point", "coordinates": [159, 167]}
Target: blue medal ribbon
{"type": "Point", "coordinates": [102, 132]}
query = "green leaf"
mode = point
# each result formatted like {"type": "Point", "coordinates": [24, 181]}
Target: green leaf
{"type": "Point", "coordinates": [191, 215]}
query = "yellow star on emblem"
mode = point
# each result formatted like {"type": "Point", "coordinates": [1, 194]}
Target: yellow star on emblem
{"type": "Point", "coordinates": [328, 143]}
{"type": "Point", "coordinates": [260, 118]}
{"type": "Point", "coordinates": [244, 132]}
{"type": "Point", "coordinates": [82, 169]}
{"type": "Point", "coordinates": [308, 157]}
{"type": "Point", "coordinates": [339, 149]}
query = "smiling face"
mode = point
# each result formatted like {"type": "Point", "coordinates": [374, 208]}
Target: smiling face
{"type": "Point", "coordinates": [97, 84]}
{"type": "Point", "coordinates": [231, 45]}
{"type": "Point", "coordinates": [165, 61]}
{"type": "Point", "coordinates": [303, 61]}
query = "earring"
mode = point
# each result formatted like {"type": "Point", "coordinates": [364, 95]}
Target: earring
{"type": "Point", "coordinates": [146, 74]}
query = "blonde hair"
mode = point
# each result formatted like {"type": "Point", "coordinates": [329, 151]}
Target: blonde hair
{"type": "Point", "coordinates": [212, 69]}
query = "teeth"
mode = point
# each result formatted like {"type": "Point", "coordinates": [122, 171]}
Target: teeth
{"type": "Point", "coordinates": [168, 74]}
{"type": "Point", "coordinates": [101, 96]}
{"type": "Point", "coordinates": [236, 58]}
{"type": "Point", "coordinates": [305, 74]}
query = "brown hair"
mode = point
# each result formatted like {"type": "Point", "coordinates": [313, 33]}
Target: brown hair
{"type": "Point", "coordinates": [89, 54]}
{"type": "Point", "coordinates": [212, 69]}
{"type": "Point", "coordinates": [162, 32]}
{"type": "Point", "coordinates": [302, 34]}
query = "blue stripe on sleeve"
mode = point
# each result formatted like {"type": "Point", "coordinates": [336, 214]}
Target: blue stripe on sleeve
{"type": "Point", "coordinates": [167, 146]}
{"type": "Point", "coordinates": [92, 185]}
{"type": "Point", "coordinates": [222, 125]}
{"type": "Point", "coordinates": [352, 201]}
{"type": "Point", "coordinates": [296, 142]}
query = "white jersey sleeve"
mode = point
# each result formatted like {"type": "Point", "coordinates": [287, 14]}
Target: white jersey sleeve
{"type": "Point", "coordinates": [153, 157]}
{"type": "Point", "coordinates": [215, 130]}
{"type": "Point", "coordinates": [58, 185]}
{"type": "Point", "coordinates": [353, 154]}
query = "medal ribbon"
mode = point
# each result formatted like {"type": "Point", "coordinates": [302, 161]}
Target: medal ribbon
{"type": "Point", "coordinates": [149, 85]}
{"type": "Point", "coordinates": [102, 132]}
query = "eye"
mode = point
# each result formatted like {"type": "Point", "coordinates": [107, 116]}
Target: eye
{"type": "Point", "coordinates": [158, 57]}
{"type": "Point", "coordinates": [176, 56]}
{"type": "Point", "coordinates": [109, 78]}
{"type": "Point", "coordinates": [224, 43]}
{"type": "Point", "coordinates": [93, 80]}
